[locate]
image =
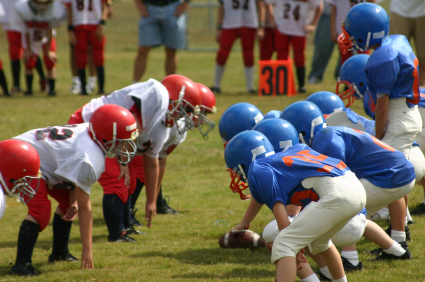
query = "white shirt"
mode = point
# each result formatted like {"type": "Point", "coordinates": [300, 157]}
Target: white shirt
{"type": "Point", "coordinates": [67, 154]}
{"type": "Point", "coordinates": [239, 13]}
{"type": "Point", "coordinates": [85, 11]}
{"type": "Point", "coordinates": [292, 15]}
{"type": "Point", "coordinates": [342, 8]}
{"type": "Point", "coordinates": [25, 19]}
{"type": "Point", "coordinates": [154, 104]}
{"type": "Point", "coordinates": [408, 8]}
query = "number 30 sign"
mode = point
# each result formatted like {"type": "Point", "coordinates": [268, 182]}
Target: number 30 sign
{"type": "Point", "coordinates": [276, 78]}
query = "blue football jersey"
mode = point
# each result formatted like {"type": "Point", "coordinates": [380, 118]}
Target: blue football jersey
{"type": "Point", "coordinates": [421, 98]}
{"type": "Point", "coordinates": [366, 156]}
{"type": "Point", "coordinates": [278, 177]}
{"type": "Point", "coordinates": [394, 69]}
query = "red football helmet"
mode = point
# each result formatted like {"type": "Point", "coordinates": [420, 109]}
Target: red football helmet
{"type": "Point", "coordinates": [114, 129]}
{"type": "Point", "coordinates": [207, 107]}
{"type": "Point", "coordinates": [184, 99]}
{"type": "Point", "coordinates": [19, 166]}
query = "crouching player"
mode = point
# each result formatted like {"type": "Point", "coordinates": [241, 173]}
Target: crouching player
{"type": "Point", "coordinates": [323, 185]}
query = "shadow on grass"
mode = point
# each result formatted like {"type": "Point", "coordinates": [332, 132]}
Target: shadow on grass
{"type": "Point", "coordinates": [213, 256]}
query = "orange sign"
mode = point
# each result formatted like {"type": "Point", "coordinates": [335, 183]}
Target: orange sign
{"type": "Point", "coordinates": [276, 78]}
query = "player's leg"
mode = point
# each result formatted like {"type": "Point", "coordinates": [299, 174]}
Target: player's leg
{"type": "Point", "coordinates": [48, 52]}
{"type": "Point", "coordinates": [248, 42]}
{"type": "Point", "coordinates": [92, 79]}
{"type": "Point", "coordinates": [170, 61]}
{"type": "Point", "coordinates": [3, 81]}
{"type": "Point", "coordinates": [15, 52]}
{"type": "Point", "coordinates": [82, 37]}
{"type": "Point", "coordinates": [98, 49]}
{"type": "Point", "coordinates": [267, 44]}
{"type": "Point", "coordinates": [76, 84]}
{"type": "Point", "coordinates": [42, 80]}
{"type": "Point", "coordinates": [29, 65]}
{"type": "Point", "coordinates": [149, 35]}
{"type": "Point", "coordinates": [298, 44]}
{"type": "Point", "coordinates": [282, 45]}
{"type": "Point", "coordinates": [61, 228]}
{"type": "Point", "coordinates": [36, 221]}
{"type": "Point", "coordinates": [227, 38]}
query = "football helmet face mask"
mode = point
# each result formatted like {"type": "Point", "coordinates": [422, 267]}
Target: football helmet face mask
{"type": "Point", "coordinates": [281, 133]}
{"type": "Point", "coordinates": [365, 25]}
{"type": "Point", "coordinates": [353, 77]}
{"type": "Point", "coordinates": [184, 99]}
{"type": "Point", "coordinates": [327, 102]}
{"type": "Point", "coordinates": [19, 169]}
{"type": "Point", "coordinates": [239, 153]}
{"type": "Point", "coordinates": [237, 118]}
{"type": "Point", "coordinates": [307, 119]}
{"type": "Point", "coordinates": [114, 129]}
{"type": "Point", "coordinates": [203, 123]}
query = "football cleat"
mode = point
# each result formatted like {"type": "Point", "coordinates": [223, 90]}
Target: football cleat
{"type": "Point", "coordinates": [63, 257]}
{"type": "Point", "coordinates": [123, 238]}
{"type": "Point", "coordinates": [302, 90]}
{"type": "Point", "coordinates": [134, 220]}
{"type": "Point", "coordinates": [24, 269]}
{"type": "Point", "coordinates": [348, 267]}
{"type": "Point", "coordinates": [52, 93]}
{"type": "Point", "coordinates": [131, 231]}
{"type": "Point", "coordinates": [379, 251]}
{"type": "Point", "coordinates": [419, 209]}
{"type": "Point", "coordinates": [16, 89]}
{"type": "Point", "coordinates": [321, 276]}
{"type": "Point", "coordinates": [384, 256]}
{"type": "Point", "coordinates": [215, 90]}
{"type": "Point", "coordinates": [75, 88]}
{"type": "Point", "coordinates": [165, 208]}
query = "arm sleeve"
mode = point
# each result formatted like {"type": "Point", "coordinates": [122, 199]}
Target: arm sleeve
{"type": "Point", "coordinates": [86, 177]}
{"type": "Point", "coordinates": [383, 77]}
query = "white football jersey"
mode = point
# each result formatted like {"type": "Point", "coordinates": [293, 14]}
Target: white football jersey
{"type": "Point", "coordinates": [67, 154]}
{"type": "Point", "coordinates": [292, 15]}
{"type": "Point", "coordinates": [2, 202]}
{"type": "Point", "coordinates": [342, 8]}
{"type": "Point", "coordinates": [8, 6]}
{"type": "Point", "coordinates": [27, 20]}
{"type": "Point", "coordinates": [154, 104]}
{"type": "Point", "coordinates": [174, 139]}
{"type": "Point", "coordinates": [240, 13]}
{"type": "Point", "coordinates": [85, 12]}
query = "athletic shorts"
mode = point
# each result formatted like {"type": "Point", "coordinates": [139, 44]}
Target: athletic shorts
{"type": "Point", "coordinates": [161, 27]}
{"type": "Point", "coordinates": [341, 198]}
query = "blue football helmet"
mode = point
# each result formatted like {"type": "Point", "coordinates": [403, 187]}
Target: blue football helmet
{"type": "Point", "coordinates": [366, 24]}
{"type": "Point", "coordinates": [281, 133]}
{"type": "Point", "coordinates": [240, 152]}
{"type": "Point", "coordinates": [237, 118]}
{"type": "Point", "coordinates": [307, 119]}
{"type": "Point", "coordinates": [327, 102]}
{"type": "Point", "coordinates": [353, 76]}
{"type": "Point", "coordinates": [272, 114]}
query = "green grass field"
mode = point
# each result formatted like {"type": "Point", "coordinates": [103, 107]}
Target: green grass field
{"type": "Point", "coordinates": [183, 247]}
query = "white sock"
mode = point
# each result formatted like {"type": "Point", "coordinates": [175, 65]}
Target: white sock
{"type": "Point", "coordinates": [343, 279]}
{"type": "Point", "coordinates": [351, 256]}
{"type": "Point", "coordinates": [218, 74]}
{"type": "Point", "coordinates": [395, 249]}
{"type": "Point", "coordinates": [249, 77]}
{"type": "Point", "coordinates": [311, 278]}
{"type": "Point", "coordinates": [92, 79]}
{"type": "Point", "coordinates": [408, 216]}
{"type": "Point", "coordinates": [134, 82]}
{"type": "Point", "coordinates": [398, 236]}
{"type": "Point", "coordinates": [325, 271]}
{"type": "Point", "coordinates": [76, 79]}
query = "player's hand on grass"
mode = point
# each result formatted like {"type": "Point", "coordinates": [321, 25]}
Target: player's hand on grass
{"type": "Point", "coordinates": [181, 9]}
{"type": "Point", "coordinates": [124, 172]}
{"type": "Point", "coordinates": [87, 260]}
{"type": "Point", "coordinates": [71, 37]}
{"type": "Point", "coordinates": [150, 212]}
{"type": "Point", "coordinates": [71, 213]}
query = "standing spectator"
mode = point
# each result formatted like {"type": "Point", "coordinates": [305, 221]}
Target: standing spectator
{"type": "Point", "coordinates": [294, 20]}
{"type": "Point", "coordinates": [339, 10]}
{"type": "Point", "coordinates": [162, 22]}
{"type": "Point", "coordinates": [410, 18]}
{"type": "Point", "coordinates": [267, 42]}
{"type": "Point", "coordinates": [86, 19]}
{"type": "Point", "coordinates": [36, 20]}
{"type": "Point", "coordinates": [244, 19]}
{"type": "Point", "coordinates": [3, 82]}
{"type": "Point", "coordinates": [323, 48]}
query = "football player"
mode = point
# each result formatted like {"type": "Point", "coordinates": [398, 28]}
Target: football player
{"type": "Point", "coordinates": [255, 165]}
{"type": "Point", "coordinates": [156, 106]}
{"type": "Point", "coordinates": [244, 19]}
{"type": "Point", "coordinates": [86, 20]}
{"type": "Point", "coordinates": [72, 157]}
{"type": "Point", "coordinates": [294, 21]}
{"type": "Point", "coordinates": [19, 167]}
{"type": "Point", "coordinates": [36, 20]}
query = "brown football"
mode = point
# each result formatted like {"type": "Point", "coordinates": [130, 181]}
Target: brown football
{"type": "Point", "coordinates": [241, 239]}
